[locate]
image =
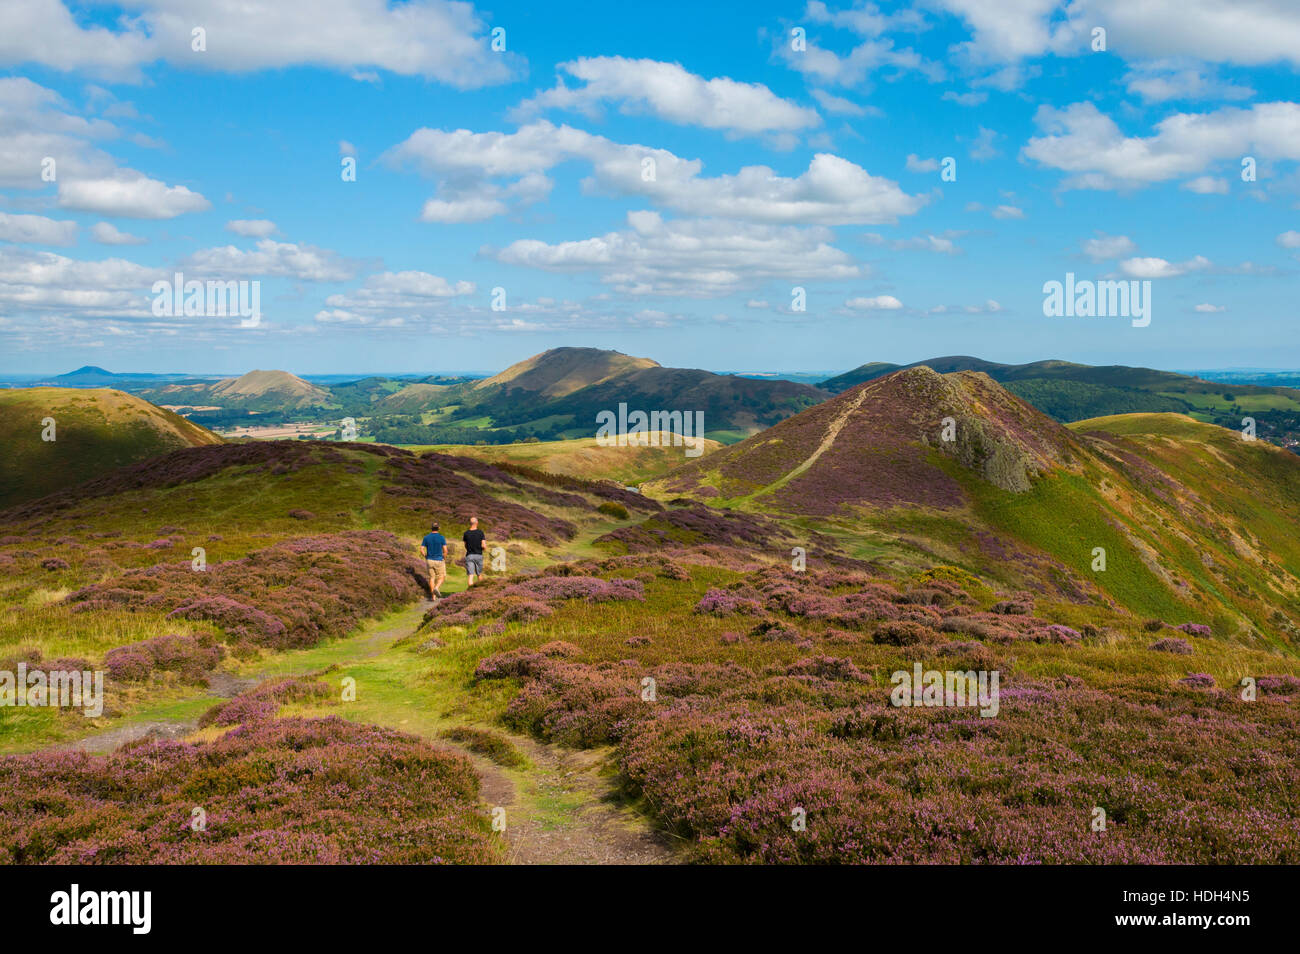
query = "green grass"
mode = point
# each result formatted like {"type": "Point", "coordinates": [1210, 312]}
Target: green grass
{"type": "Point", "coordinates": [1065, 516]}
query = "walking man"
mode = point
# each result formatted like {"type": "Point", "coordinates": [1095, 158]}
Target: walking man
{"type": "Point", "coordinates": [473, 551]}
{"type": "Point", "coordinates": [434, 548]}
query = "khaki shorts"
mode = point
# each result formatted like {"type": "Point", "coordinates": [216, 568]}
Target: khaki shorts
{"type": "Point", "coordinates": [437, 573]}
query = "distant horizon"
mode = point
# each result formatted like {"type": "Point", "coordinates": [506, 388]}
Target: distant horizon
{"type": "Point", "coordinates": [815, 372]}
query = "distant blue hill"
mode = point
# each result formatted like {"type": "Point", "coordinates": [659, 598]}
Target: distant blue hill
{"type": "Point", "coordinates": [92, 376]}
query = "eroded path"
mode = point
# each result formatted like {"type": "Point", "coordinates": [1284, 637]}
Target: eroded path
{"type": "Point", "coordinates": [563, 810]}
{"type": "Point", "coordinates": [832, 432]}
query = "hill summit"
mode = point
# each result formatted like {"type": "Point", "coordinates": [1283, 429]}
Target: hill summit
{"type": "Point", "coordinates": [883, 443]}
{"type": "Point", "coordinates": [561, 371]}
{"type": "Point", "coordinates": [281, 385]}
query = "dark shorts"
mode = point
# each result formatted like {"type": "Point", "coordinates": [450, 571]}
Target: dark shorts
{"type": "Point", "coordinates": [474, 564]}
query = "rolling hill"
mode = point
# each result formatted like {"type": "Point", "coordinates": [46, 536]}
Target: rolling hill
{"type": "Point", "coordinates": [561, 371]}
{"type": "Point", "coordinates": [557, 394]}
{"type": "Point", "coordinates": [1073, 392]}
{"type": "Point", "coordinates": [568, 387]}
{"type": "Point", "coordinates": [1028, 500]}
{"type": "Point", "coordinates": [254, 391]}
{"type": "Point", "coordinates": [95, 431]}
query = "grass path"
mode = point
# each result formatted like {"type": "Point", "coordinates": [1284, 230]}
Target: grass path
{"type": "Point", "coordinates": [560, 807]}
{"type": "Point", "coordinates": [832, 432]}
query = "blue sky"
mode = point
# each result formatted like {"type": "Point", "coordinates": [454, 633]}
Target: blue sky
{"type": "Point", "coordinates": [525, 169]}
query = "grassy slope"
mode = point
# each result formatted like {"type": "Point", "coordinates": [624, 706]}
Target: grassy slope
{"type": "Point", "coordinates": [96, 430]}
{"type": "Point", "coordinates": [579, 458]}
{"type": "Point", "coordinates": [229, 514]}
{"type": "Point", "coordinates": [426, 692]}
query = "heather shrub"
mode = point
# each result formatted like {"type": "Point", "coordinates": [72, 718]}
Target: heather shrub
{"type": "Point", "coordinates": [577, 705]}
{"type": "Point", "coordinates": [671, 571]}
{"type": "Point", "coordinates": [264, 701]}
{"type": "Point", "coordinates": [526, 611]}
{"type": "Point", "coordinates": [967, 655]}
{"type": "Point", "coordinates": [1278, 685]}
{"type": "Point", "coordinates": [967, 625]}
{"type": "Point", "coordinates": [1018, 607]}
{"type": "Point", "coordinates": [123, 665]}
{"type": "Point", "coordinates": [903, 634]}
{"type": "Point", "coordinates": [1179, 647]}
{"type": "Point", "coordinates": [1194, 629]}
{"type": "Point", "coordinates": [1056, 633]}
{"type": "Point", "coordinates": [514, 663]}
{"type": "Point", "coordinates": [926, 596]}
{"type": "Point", "coordinates": [54, 563]}
{"type": "Point", "coordinates": [239, 620]}
{"type": "Point", "coordinates": [773, 631]}
{"type": "Point", "coordinates": [719, 602]}
{"type": "Point", "coordinates": [1153, 625]}
{"type": "Point", "coordinates": [183, 655]}
{"type": "Point", "coordinates": [1198, 680]}
{"type": "Point", "coordinates": [274, 792]}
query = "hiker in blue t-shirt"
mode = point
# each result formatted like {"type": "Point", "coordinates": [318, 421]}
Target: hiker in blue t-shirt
{"type": "Point", "coordinates": [434, 548]}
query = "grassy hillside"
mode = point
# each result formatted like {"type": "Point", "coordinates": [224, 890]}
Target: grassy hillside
{"type": "Point", "coordinates": [95, 431]}
{"type": "Point", "coordinates": [298, 688]}
{"type": "Point", "coordinates": [556, 395]}
{"type": "Point", "coordinates": [1026, 501]}
{"type": "Point", "coordinates": [561, 371]}
{"type": "Point", "coordinates": [771, 686]}
{"type": "Point", "coordinates": [583, 457]}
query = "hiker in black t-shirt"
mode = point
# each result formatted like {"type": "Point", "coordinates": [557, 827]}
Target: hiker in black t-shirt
{"type": "Point", "coordinates": [473, 550]}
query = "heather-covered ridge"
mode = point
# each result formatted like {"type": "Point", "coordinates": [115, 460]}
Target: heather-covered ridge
{"type": "Point", "coordinates": [445, 486]}
{"type": "Point", "coordinates": [873, 445]}
{"type": "Point", "coordinates": [772, 692]}
{"type": "Point", "coordinates": [1191, 519]}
